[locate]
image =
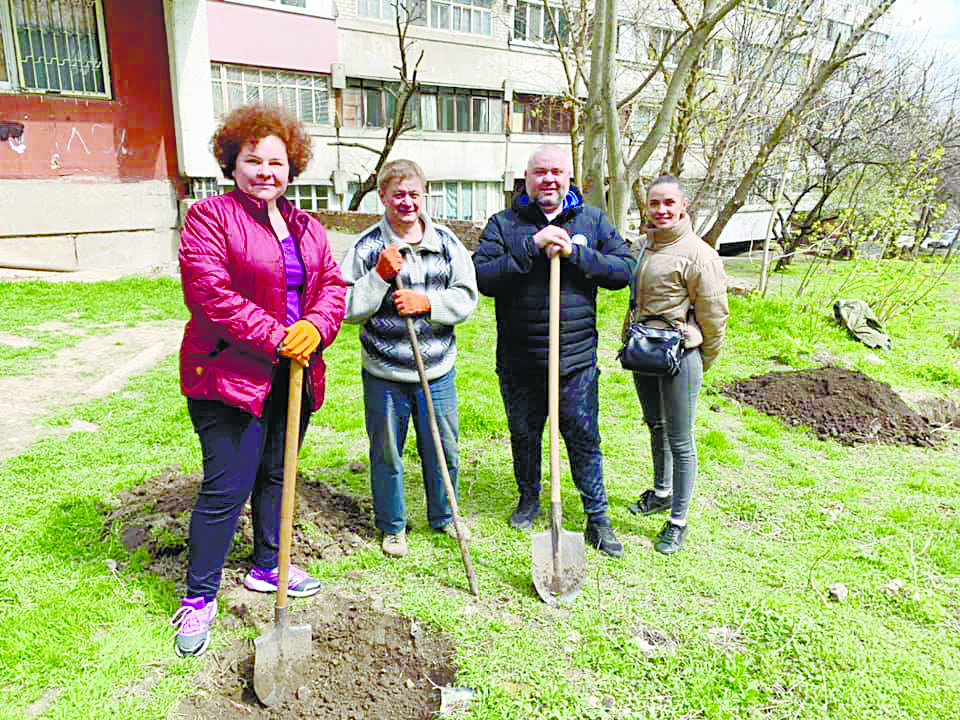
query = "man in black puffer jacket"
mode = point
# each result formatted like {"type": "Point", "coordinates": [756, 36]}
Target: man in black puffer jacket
{"type": "Point", "coordinates": [513, 266]}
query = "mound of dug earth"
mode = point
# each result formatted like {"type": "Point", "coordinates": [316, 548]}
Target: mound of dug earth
{"type": "Point", "coordinates": [367, 662]}
{"type": "Point", "coordinates": [836, 403]}
{"type": "Point", "coordinates": [154, 519]}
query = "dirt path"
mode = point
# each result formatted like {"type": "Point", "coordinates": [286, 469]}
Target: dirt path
{"type": "Point", "coordinates": [95, 367]}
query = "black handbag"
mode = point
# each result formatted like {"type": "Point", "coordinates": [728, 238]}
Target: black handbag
{"type": "Point", "coordinates": [649, 349]}
{"type": "Point", "coordinates": [652, 350]}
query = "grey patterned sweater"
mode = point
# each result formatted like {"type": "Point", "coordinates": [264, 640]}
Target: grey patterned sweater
{"type": "Point", "coordinates": [440, 266]}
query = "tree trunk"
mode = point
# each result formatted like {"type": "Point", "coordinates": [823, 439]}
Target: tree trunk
{"type": "Point", "coordinates": [593, 141]}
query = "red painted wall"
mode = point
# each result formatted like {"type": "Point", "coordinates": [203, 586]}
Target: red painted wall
{"type": "Point", "coordinates": [130, 137]}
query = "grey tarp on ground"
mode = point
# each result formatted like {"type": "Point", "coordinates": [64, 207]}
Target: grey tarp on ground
{"type": "Point", "coordinates": [857, 317]}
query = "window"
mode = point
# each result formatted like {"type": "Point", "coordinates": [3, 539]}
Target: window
{"type": "Point", "coordinates": [307, 95]}
{"type": "Point", "coordinates": [630, 44]}
{"type": "Point", "coordinates": [200, 188]}
{"type": "Point", "coordinates": [54, 46]}
{"type": "Point", "coordinates": [372, 104]}
{"type": "Point", "coordinates": [662, 39]}
{"type": "Point", "coordinates": [310, 197]}
{"type": "Point", "coordinates": [641, 119]}
{"type": "Point", "coordinates": [460, 110]}
{"type": "Point", "coordinates": [305, 197]}
{"type": "Point", "coordinates": [467, 16]}
{"type": "Point", "coordinates": [463, 200]}
{"type": "Point", "coordinates": [532, 24]}
{"type": "Point", "coordinates": [541, 114]}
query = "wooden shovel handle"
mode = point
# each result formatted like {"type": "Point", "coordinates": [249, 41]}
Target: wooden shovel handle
{"type": "Point", "coordinates": [291, 449]}
{"type": "Point", "coordinates": [441, 458]}
{"type": "Point", "coordinates": [553, 379]}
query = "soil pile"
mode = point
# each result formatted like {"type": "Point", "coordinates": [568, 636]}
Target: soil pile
{"type": "Point", "coordinates": [367, 662]}
{"type": "Point", "coordinates": [154, 518]}
{"type": "Point", "coordinates": [836, 403]}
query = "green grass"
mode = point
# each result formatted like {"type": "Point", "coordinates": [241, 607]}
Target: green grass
{"type": "Point", "coordinates": [39, 312]}
{"type": "Point", "coordinates": [742, 617]}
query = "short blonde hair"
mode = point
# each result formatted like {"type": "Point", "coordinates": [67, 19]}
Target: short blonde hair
{"type": "Point", "coordinates": [399, 169]}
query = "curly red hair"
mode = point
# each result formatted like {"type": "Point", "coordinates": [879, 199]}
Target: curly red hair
{"type": "Point", "coordinates": [252, 123]}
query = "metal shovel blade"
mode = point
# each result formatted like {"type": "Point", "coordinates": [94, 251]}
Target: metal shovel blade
{"type": "Point", "coordinates": [558, 579]}
{"type": "Point", "coordinates": [280, 658]}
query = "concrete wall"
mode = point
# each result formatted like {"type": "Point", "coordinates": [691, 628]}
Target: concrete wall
{"type": "Point", "coordinates": [73, 223]}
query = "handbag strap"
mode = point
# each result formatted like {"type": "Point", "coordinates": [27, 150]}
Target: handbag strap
{"type": "Point", "coordinates": [636, 274]}
{"type": "Point", "coordinates": [661, 318]}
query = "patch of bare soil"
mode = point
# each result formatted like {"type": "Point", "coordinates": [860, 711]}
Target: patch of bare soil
{"type": "Point", "coordinates": [367, 662]}
{"type": "Point", "coordinates": [840, 404]}
{"type": "Point", "coordinates": [96, 366]}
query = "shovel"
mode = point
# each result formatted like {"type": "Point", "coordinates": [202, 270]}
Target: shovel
{"type": "Point", "coordinates": [286, 649]}
{"type": "Point", "coordinates": [441, 458]}
{"type": "Point", "coordinates": [559, 561]}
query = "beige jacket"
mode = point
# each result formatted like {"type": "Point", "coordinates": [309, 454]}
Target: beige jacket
{"type": "Point", "coordinates": [682, 278]}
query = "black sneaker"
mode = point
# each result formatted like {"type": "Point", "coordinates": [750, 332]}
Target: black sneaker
{"type": "Point", "coordinates": [602, 538]}
{"type": "Point", "coordinates": [528, 510]}
{"type": "Point", "coordinates": [670, 538]}
{"type": "Point", "coordinates": [650, 503]}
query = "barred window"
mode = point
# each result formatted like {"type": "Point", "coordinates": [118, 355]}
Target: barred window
{"type": "Point", "coordinates": [307, 95]}
{"type": "Point", "coordinates": [54, 46]}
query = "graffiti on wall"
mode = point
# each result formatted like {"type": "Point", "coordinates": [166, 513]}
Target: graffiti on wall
{"type": "Point", "coordinates": [96, 146]}
{"type": "Point", "coordinates": [12, 132]}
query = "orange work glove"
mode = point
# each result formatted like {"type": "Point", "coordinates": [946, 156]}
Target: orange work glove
{"type": "Point", "coordinates": [410, 302]}
{"type": "Point", "coordinates": [301, 340]}
{"type": "Point", "coordinates": [389, 263]}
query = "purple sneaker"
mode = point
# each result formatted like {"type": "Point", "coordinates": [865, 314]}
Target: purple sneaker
{"type": "Point", "coordinates": [298, 585]}
{"type": "Point", "coordinates": [192, 621]}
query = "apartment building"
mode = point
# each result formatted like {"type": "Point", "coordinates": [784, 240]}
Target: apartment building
{"type": "Point", "coordinates": [88, 166]}
{"type": "Point", "coordinates": [107, 107]}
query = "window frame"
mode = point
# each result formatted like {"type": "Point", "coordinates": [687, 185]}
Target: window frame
{"type": "Point", "coordinates": [480, 13]}
{"type": "Point", "coordinates": [13, 63]}
{"type": "Point", "coordinates": [545, 36]}
{"type": "Point", "coordinates": [320, 119]}
{"type": "Point", "coordinates": [310, 7]}
{"type": "Point", "coordinates": [551, 119]}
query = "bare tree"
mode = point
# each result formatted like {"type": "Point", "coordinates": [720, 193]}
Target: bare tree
{"type": "Point", "coordinates": [405, 92]}
{"type": "Point", "coordinates": [842, 52]}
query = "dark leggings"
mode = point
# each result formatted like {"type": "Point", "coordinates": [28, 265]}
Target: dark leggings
{"type": "Point", "coordinates": [242, 458]}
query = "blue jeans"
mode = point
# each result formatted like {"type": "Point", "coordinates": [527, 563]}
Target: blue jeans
{"type": "Point", "coordinates": [669, 410]}
{"type": "Point", "coordinates": [242, 458]}
{"type": "Point", "coordinates": [388, 407]}
{"type": "Point", "coordinates": [525, 402]}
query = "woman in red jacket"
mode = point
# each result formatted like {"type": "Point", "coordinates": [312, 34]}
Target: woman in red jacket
{"type": "Point", "coordinates": [262, 289]}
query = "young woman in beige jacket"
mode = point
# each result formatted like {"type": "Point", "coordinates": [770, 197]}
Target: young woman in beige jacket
{"type": "Point", "coordinates": [680, 278]}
